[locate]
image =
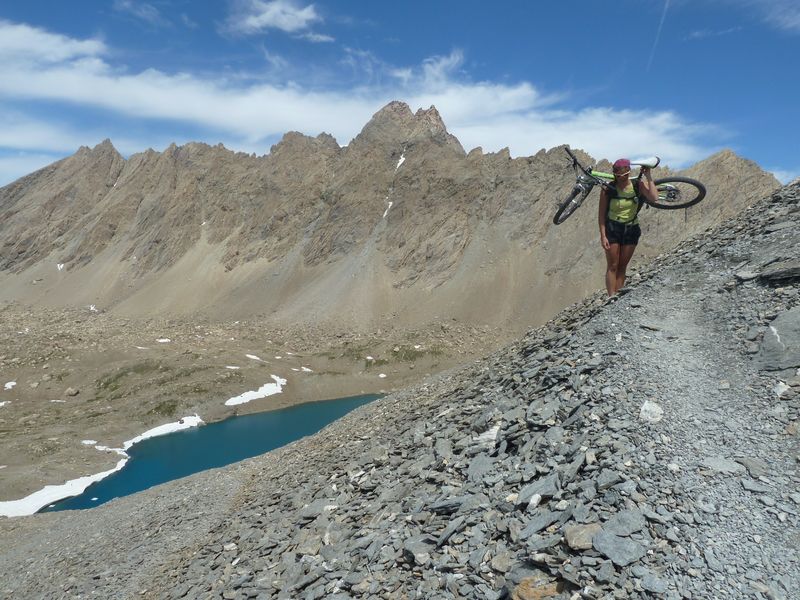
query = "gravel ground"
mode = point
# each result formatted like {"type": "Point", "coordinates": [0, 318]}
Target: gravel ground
{"type": "Point", "coordinates": [644, 446]}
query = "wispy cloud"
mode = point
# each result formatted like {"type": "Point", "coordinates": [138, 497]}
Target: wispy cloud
{"type": "Point", "coordinates": [142, 11]}
{"type": "Point", "coordinates": [781, 14]}
{"type": "Point", "coordinates": [785, 16]}
{"type": "Point", "coordinates": [15, 166]}
{"type": "Point", "coordinates": [23, 43]}
{"type": "Point", "coordinates": [277, 62]}
{"type": "Point", "coordinates": [248, 114]}
{"type": "Point", "coordinates": [658, 35]}
{"type": "Point", "coordinates": [317, 37]}
{"type": "Point", "coordinates": [255, 16]}
{"type": "Point", "coordinates": [785, 176]}
{"type": "Point", "coordinates": [709, 33]}
{"type": "Point", "coordinates": [188, 22]}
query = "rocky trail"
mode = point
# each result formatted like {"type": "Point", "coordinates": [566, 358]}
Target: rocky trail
{"type": "Point", "coordinates": [640, 447]}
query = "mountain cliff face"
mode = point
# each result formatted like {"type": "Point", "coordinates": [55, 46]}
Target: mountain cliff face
{"type": "Point", "coordinates": [402, 224]}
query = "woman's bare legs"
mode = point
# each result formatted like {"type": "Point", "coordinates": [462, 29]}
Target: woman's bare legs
{"type": "Point", "coordinates": [625, 255]}
{"type": "Point", "coordinates": [617, 259]}
{"type": "Point", "coordinates": [612, 265]}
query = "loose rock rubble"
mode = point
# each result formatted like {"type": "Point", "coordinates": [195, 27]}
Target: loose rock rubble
{"type": "Point", "coordinates": [539, 472]}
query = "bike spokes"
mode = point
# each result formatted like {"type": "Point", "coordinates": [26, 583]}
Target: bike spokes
{"type": "Point", "coordinates": [678, 192]}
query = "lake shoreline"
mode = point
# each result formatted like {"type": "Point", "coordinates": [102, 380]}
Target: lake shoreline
{"type": "Point", "coordinates": [52, 493]}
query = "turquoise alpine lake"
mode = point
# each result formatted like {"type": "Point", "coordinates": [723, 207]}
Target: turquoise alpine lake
{"type": "Point", "coordinates": [167, 457]}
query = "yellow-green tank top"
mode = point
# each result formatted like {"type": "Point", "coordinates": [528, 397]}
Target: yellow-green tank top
{"type": "Point", "coordinates": [623, 206]}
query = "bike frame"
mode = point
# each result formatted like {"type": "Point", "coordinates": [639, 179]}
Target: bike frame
{"type": "Point", "coordinates": [671, 194]}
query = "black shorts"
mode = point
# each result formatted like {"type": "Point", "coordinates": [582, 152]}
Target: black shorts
{"type": "Point", "coordinates": [620, 233]}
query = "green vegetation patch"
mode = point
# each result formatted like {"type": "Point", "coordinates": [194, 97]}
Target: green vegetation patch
{"type": "Point", "coordinates": [112, 381]}
{"type": "Point", "coordinates": [411, 354]}
{"type": "Point", "coordinates": [166, 408]}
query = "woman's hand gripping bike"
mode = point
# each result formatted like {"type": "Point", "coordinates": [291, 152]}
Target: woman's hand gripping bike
{"type": "Point", "coordinates": [673, 192]}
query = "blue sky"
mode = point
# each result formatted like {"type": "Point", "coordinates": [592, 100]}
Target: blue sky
{"type": "Point", "coordinates": [677, 78]}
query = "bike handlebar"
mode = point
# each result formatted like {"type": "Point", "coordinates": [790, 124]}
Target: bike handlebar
{"type": "Point", "coordinates": [588, 172]}
{"type": "Point", "coordinates": [576, 163]}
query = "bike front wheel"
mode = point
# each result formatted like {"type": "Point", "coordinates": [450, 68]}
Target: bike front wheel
{"type": "Point", "coordinates": [570, 204]}
{"type": "Point", "coordinates": [678, 192]}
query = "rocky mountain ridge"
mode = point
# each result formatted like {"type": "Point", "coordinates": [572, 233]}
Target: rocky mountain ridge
{"type": "Point", "coordinates": [399, 226]}
{"type": "Point", "coordinates": [644, 446]}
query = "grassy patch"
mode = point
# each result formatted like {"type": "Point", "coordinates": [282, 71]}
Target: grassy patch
{"type": "Point", "coordinates": [112, 381]}
{"type": "Point", "coordinates": [375, 362]}
{"type": "Point", "coordinates": [354, 352]}
{"type": "Point", "coordinates": [167, 408]}
{"type": "Point", "coordinates": [181, 373]}
{"type": "Point", "coordinates": [411, 354]}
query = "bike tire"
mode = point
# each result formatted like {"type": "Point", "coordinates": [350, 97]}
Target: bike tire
{"type": "Point", "coordinates": [570, 204]}
{"type": "Point", "coordinates": [677, 192]}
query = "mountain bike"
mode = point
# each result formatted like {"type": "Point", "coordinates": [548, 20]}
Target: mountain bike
{"type": "Point", "coordinates": [673, 192]}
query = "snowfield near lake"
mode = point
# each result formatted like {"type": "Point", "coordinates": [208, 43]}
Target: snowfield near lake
{"type": "Point", "coordinates": [268, 389]}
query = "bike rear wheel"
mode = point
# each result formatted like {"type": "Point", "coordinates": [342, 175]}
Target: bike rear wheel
{"type": "Point", "coordinates": [570, 204]}
{"type": "Point", "coordinates": [678, 192]}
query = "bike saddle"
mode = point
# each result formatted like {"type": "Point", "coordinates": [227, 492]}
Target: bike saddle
{"type": "Point", "coordinates": [651, 162]}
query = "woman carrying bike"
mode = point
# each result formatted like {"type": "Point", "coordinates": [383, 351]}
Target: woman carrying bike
{"type": "Point", "coordinates": [617, 217]}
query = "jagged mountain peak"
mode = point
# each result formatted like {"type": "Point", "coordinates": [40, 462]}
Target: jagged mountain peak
{"type": "Point", "coordinates": [104, 148]}
{"type": "Point", "coordinates": [395, 124]}
{"type": "Point", "coordinates": [294, 141]}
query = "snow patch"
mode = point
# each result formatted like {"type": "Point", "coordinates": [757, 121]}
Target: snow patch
{"type": "Point", "coordinates": [253, 357]}
{"type": "Point", "coordinates": [306, 370]}
{"type": "Point", "coordinates": [382, 375]}
{"type": "Point", "coordinates": [10, 385]}
{"type": "Point", "coordinates": [268, 389]}
{"type": "Point", "coordinates": [52, 493]}
{"type": "Point", "coordinates": [400, 162]}
{"type": "Point", "coordinates": [4, 402]}
{"type": "Point", "coordinates": [184, 423]}
{"type": "Point", "coordinates": [163, 340]}
{"type": "Point", "coordinates": [232, 368]}
{"type": "Point", "coordinates": [60, 266]}
{"type": "Point", "coordinates": [89, 442]}
{"type": "Point", "coordinates": [386, 212]}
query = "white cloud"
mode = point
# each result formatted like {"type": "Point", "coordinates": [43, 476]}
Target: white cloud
{"type": "Point", "coordinates": [21, 132]}
{"type": "Point", "coordinates": [141, 10]}
{"type": "Point", "coordinates": [317, 38]}
{"type": "Point", "coordinates": [785, 17]}
{"type": "Point", "coordinates": [25, 44]}
{"type": "Point", "coordinates": [276, 61]}
{"type": "Point", "coordinates": [255, 16]}
{"type": "Point", "coordinates": [440, 68]}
